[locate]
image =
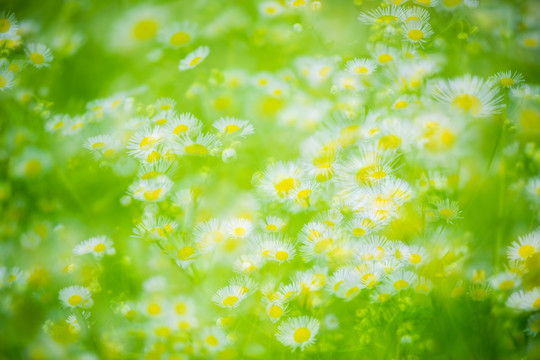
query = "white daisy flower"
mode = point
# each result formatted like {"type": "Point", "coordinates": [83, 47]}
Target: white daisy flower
{"type": "Point", "coordinates": [8, 25]}
{"type": "Point", "coordinates": [417, 31]}
{"type": "Point", "coordinates": [470, 94]}
{"type": "Point", "coordinates": [194, 58]}
{"type": "Point", "coordinates": [525, 247]}
{"type": "Point", "coordinates": [508, 79]}
{"type": "Point", "coordinates": [39, 55]}
{"type": "Point", "coordinates": [182, 124]}
{"type": "Point", "coordinates": [298, 332]}
{"type": "Point", "coordinates": [233, 126]}
{"type": "Point", "coordinates": [203, 144]}
{"type": "Point", "coordinates": [97, 246]}
{"type": "Point", "coordinates": [151, 190]}
{"type": "Point", "coordinates": [363, 66]}
{"type": "Point", "coordinates": [230, 296]}
{"type": "Point", "coordinates": [76, 296]}
{"type": "Point", "coordinates": [178, 35]}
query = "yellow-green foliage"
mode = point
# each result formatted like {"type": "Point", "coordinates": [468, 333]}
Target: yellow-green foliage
{"type": "Point", "coordinates": [334, 179]}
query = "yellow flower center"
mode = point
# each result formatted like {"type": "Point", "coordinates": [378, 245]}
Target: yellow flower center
{"type": "Point", "coordinates": [239, 231]}
{"type": "Point", "coordinates": [275, 311]}
{"type": "Point", "coordinates": [285, 185]}
{"type": "Point", "coordinates": [33, 167]}
{"type": "Point", "coordinates": [5, 25]}
{"type": "Point", "coordinates": [282, 255]}
{"type": "Point", "coordinates": [231, 128]}
{"type": "Point", "coordinates": [180, 129]}
{"type": "Point", "coordinates": [230, 300]}
{"type": "Point", "coordinates": [100, 247]}
{"type": "Point", "coordinates": [506, 285]}
{"type": "Point", "coordinates": [75, 300]}
{"type": "Point", "coordinates": [196, 149]}
{"type": "Point", "coordinates": [401, 284]}
{"type": "Point", "coordinates": [446, 213]}
{"type": "Point", "coordinates": [154, 309]}
{"type": "Point", "coordinates": [145, 29]}
{"type": "Point", "coordinates": [415, 258]}
{"type": "Point", "coordinates": [416, 35]}
{"type": "Point", "coordinates": [195, 61]}
{"type": "Point", "coordinates": [212, 340]}
{"type": "Point", "coordinates": [180, 308]}
{"type": "Point", "coordinates": [37, 58]}
{"type": "Point", "coordinates": [384, 58]}
{"type": "Point", "coordinates": [507, 81]}
{"type": "Point", "coordinates": [526, 251]}
{"type": "Point", "coordinates": [302, 335]}
{"type": "Point", "coordinates": [185, 253]}
{"type": "Point", "coordinates": [180, 38]}
{"type": "Point", "coordinates": [469, 103]}
{"type": "Point", "coordinates": [352, 291]}
{"type": "Point", "coordinates": [386, 19]}
{"type": "Point", "coordinates": [147, 142]}
{"type": "Point", "coordinates": [152, 195]}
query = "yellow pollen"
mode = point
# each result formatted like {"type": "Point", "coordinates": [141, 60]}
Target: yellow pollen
{"type": "Point", "coordinates": [526, 251]}
{"type": "Point", "coordinates": [386, 19]}
{"type": "Point", "coordinates": [3, 81]}
{"type": "Point", "coordinates": [147, 142]}
{"type": "Point", "coordinates": [195, 61]}
{"type": "Point", "coordinates": [275, 311]}
{"type": "Point", "coordinates": [196, 149]}
{"type": "Point", "coordinates": [180, 308]}
{"type": "Point", "coordinates": [100, 247]}
{"type": "Point", "coordinates": [401, 104]}
{"type": "Point", "coordinates": [325, 70]}
{"type": "Point", "coordinates": [302, 335]}
{"type": "Point", "coordinates": [415, 35]}
{"type": "Point", "coordinates": [75, 300]}
{"type": "Point", "coordinates": [33, 167]}
{"type": "Point", "coordinates": [384, 58]}
{"type": "Point", "coordinates": [153, 157]}
{"type": "Point", "coordinates": [507, 81]}
{"type": "Point", "coordinates": [37, 58]}
{"type": "Point", "coordinates": [446, 213]}
{"type": "Point", "coordinates": [271, 227]}
{"type": "Point", "coordinates": [401, 284]}
{"type": "Point", "coordinates": [108, 152]}
{"type": "Point", "coordinates": [179, 39]}
{"type": "Point", "coordinates": [230, 300]}
{"type": "Point", "coordinates": [361, 70]}
{"type": "Point", "coordinates": [162, 331]}
{"type": "Point", "coordinates": [185, 253]}
{"type": "Point", "coordinates": [282, 255]}
{"type": "Point", "coordinates": [352, 291]}
{"type": "Point", "coordinates": [469, 103]}
{"type": "Point", "coordinates": [506, 285]}
{"type": "Point", "coordinates": [239, 231]}
{"type": "Point", "coordinates": [231, 128]}
{"type": "Point", "coordinates": [154, 309]}
{"type": "Point", "coordinates": [180, 129]}
{"type": "Point", "coordinates": [152, 195]}
{"type": "Point", "coordinates": [5, 25]}
{"type": "Point", "coordinates": [212, 340]}
{"type": "Point", "coordinates": [285, 185]}
{"type": "Point", "coordinates": [145, 29]}
{"type": "Point", "coordinates": [415, 258]}
{"type": "Point", "coordinates": [530, 42]}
